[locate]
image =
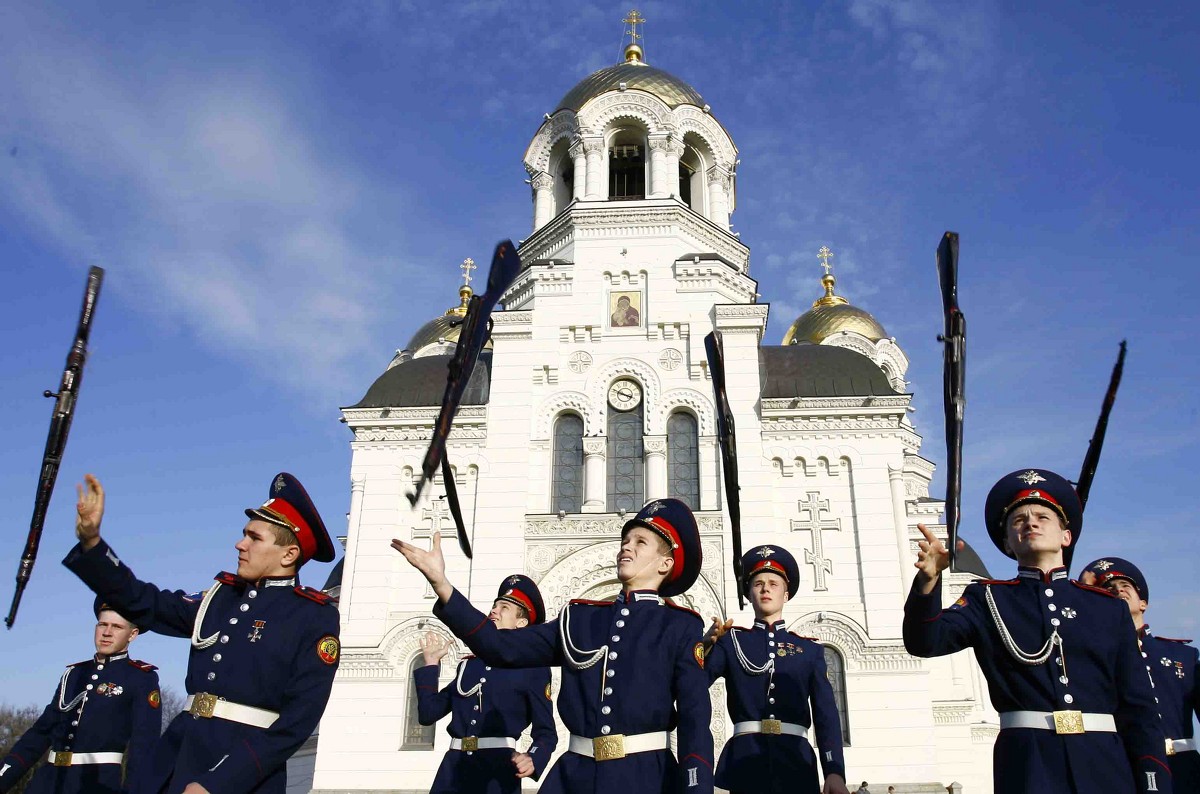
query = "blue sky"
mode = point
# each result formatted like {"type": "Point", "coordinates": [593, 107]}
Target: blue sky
{"type": "Point", "coordinates": [281, 194]}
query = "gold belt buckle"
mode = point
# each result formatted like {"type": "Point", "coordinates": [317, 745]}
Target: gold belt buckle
{"type": "Point", "coordinates": [63, 758]}
{"type": "Point", "coordinates": [772, 727]}
{"type": "Point", "coordinates": [609, 748]}
{"type": "Point", "coordinates": [203, 705]}
{"type": "Point", "coordinates": [470, 744]}
{"type": "Point", "coordinates": [1170, 747]}
{"type": "Point", "coordinates": [1068, 722]}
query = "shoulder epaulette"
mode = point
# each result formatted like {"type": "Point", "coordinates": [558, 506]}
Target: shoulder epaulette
{"type": "Point", "coordinates": [85, 661]}
{"type": "Point", "coordinates": [995, 581]}
{"type": "Point", "coordinates": [145, 667]}
{"type": "Point", "coordinates": [673, 605]}
{"type": "Point", "coordinates": [313, 594]}
{"type": "Point", "coordinates": [801, 636]}
{"type": "Point", "coordinates": [740, 628]}
{"type": "Point", "coordinates": [227, 578]}
{"type": "Point", "coordinates": [1173, 639]}
{"type": "Point", "coordinates": [1099, 590]}
{"type": "Point", "coordinates": [590, 603]}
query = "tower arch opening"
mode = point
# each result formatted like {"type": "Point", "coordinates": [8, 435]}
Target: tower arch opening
{"type": "Point", "coordinates": [562, 168]}
{"type": "Point", "coordinates": [628, 161]}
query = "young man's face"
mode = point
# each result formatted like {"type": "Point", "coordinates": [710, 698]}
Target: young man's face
{"type": "Point", "coordinates": [641, 556]}
{"type": "Point", "coordinates": [768, 593]}
{"type": "Point", "coordinates": [113, 633]}
{"type": "Point", "coordinates": [1124, 590]}
{"type": "Point", "coordinates": [1033, 529]}
{"type": "Point", "coordinates": [259, 555]}
{"type": "Point", "coordinates": [507, 615]}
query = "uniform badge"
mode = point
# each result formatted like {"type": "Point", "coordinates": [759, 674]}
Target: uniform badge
{"type": "Point", "coordinates": [654, 507]}
{"type": "Point", "coordinates": [698, 652]}
{"type": "Point", "coordinates": [513, 581]}
{"type": "Point", "coordinates": [548, 695]}
{"type": "Point", "coordinates": [1179, 669]}
{"type": "Point", "coordinates": [328, 648]}
{"type": "Point", "coordinates": [256, 635]}
{"type": "Point", "coordinates": [279, 483]}
{"type": "Point", "coordinates": [1104, 565]}
{"type": "Point", "coordinates": [1030, 477]}
{"type": "Point", "coordinates": [1069, 613]}
{"type": "Point", "coordinates": [766, 551]}
{"type": "Point", "coordinates": [154, 699]}
{"type": "Point", "coordinates": [1165, 662]}
{"type": "Point", "coordinates": [109, 690]}
{"type": "Point", "coordinates": [961, 602]}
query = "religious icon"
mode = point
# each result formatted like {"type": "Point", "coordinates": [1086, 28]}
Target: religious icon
{"type": "Point", "coordinates": [625, 309]}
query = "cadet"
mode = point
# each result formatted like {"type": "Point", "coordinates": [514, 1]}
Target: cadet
{"type": "Point", "coordinates": [491, 707]}
{"type": "Point", "coordinates": [1172, 665]}
{"type": "Point", "coordinates": [633, 668]}
{"type": "Point", "coordinates": [1061, 660]}
{"type": "Point", "coordinates": [104, 712]}
{"type": "Point", "coordinates": [264, 649]}
{"type": "Point", "coordinates": [771, 676]}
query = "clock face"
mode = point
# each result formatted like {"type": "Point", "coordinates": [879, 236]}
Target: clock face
{"type": "Point", "coordinates": [624, 395]}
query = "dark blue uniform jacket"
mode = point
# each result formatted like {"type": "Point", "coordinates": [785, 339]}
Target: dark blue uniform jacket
{"type": "Point", "coordinates": [650, 678]}
{"type": "Point", "coordinates": [107, 704]}
{"type": "Point", "coordinates": [797, 677]}
{"type": "Point", "coordinates": [487, 701]}
{"type": "Point", "coordinates": [1173, 667]}
{"type": "Point", "coordinates": [273, 646]}
{"type": "Point", "coordinates": [1098, 669]}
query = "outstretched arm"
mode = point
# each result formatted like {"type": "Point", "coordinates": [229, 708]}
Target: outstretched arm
{"type": "Point", "coordinates": [431, 564]}
{"type": "Point", "coordinates": [928, 630]}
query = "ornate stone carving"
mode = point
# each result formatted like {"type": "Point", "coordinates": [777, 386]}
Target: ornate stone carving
{"type": "Point", "coordinates": [699, 404]}
{"type": "Point", "coordinates": [600, 113]}
{"type": "Point", "coordinates": [579, 361]}
{"type": "Point", "coordinates": [670, 359]}
{"type": "Point", "coordinates": [543, 181]}
{"type": "Point", "coordinates": [560, 402]}
{"type": "Point", "coordinates": [862, 654]}
{"type": "Point", "coordinates": [603, 376]}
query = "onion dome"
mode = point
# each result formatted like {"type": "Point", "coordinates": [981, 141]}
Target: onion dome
{"type": "Point", "coordinates": [831, 314]}
{"type": "Point", "coordinates": [632, 73]}
{"type": "Point", "coordinates": [445, 328]}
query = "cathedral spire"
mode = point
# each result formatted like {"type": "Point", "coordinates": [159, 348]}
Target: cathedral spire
{"type": "Point", "coordinates": [634, 53]}
{"type": "Point", "coordinates": [827, 281]}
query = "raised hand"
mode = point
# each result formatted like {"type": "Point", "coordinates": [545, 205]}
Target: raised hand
{"type": "Point", "coordinates": [716, 631]}
{"type": "Point", "coordinates": [932, 558]}
{"type": "Point", "coordinates": [434, 647]}
{"type": "Point", "coordinates": [89, 511]}
{"type": "Point", "coordinates": [431, 564]}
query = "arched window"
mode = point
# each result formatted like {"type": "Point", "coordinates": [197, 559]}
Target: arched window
{"type": "Point", "coordinates": [835, 670]}
{"type": "Point", "coordinates": [416, 735]}
{"type": "Point", "coordinates": [567, 492]}
{"type": "Point", "coordinates": [683, 459]}
{"type": "Point", "coordinates": [626, 479]}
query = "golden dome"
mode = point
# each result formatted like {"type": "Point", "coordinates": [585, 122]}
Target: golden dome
{"type": "Point", "coordinates": [831, 314]}
{"type": "Point", "coordinates": [445, 328]}
{"type": "Point", "coordinates": [633, 73]}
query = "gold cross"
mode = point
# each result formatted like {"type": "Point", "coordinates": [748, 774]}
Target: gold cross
{"type": "Point", "coordinates": [633, 20]}
{"type": "Point", "coordinates": [467, 266]}
{"type": "Point", "coordinates": [825, 255]}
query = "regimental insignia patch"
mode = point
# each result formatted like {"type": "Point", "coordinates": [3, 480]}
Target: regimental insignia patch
{"type": "Point", "coordinates": [698, 652]}
{"type": "Point", "coordinates": [961, 602]}
{"type": "Point", "coordinates": [328, 648]}
{"type": "Point", "coordinates": [154, 699]}
{"type": "Point", "coordinates": [549, 696]}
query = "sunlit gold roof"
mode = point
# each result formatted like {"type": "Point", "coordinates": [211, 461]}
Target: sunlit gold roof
{"type": "Point", "coordinates": [634, 73]}
{"type": "Point", "coordinates": [445, 328]}
{"type": "Point", "coordinates": [831, 314]}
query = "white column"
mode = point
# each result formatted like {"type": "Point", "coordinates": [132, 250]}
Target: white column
{"type": "Point", "coordinates": [543, 199]}
{"type": "Point", "coordinates": [579, 157]}
{"type": "Point", "coordinates": [900, 518]}
{"type": "Point", "coordinates": [358, 486]}
{"type": "Point", "coordinates": [594, 494]}
{"type": "Point", "coordinates": [718, 197]}
{"type": "Point", "coordinates": [674, 152]}
{"type": "Point", "coordinates": [593, 147]}
{"type": "Point", "coordinates": [655, 448]}
{"type": "Point", "coordinates": [660, 186]}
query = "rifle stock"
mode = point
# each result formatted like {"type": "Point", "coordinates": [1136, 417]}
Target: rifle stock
{"type": "Point", "coordinates": [1092, 459]}
{"type": "Point", "coordinates": [715, 349]}
{"type": "Point", "coordinates": [954, 376]}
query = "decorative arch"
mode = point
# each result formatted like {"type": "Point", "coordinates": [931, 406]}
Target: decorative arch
{"type": "Point", "coordinates": [556, 404]}
{"type": "Point", "coordinates": [692, 119]}
{"type": "Point", "coordinates": [401, 643]}
{"type": "Point", "coordinates": [600, 112]}
{"type": "Point", "coordinates": [603, 376]}
{"type": "Point", "coordinates": [564, 125]}
{"type": "Point", "coordinates": [836, 630]}
{"type": "Point", "coordinates": [695, 402]}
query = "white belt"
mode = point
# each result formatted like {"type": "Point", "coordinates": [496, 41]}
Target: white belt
{"type": "Point", "coordinates": [770, 728]}
{"type": "Point", "coordinates": [66, 758]}
{"type": "Point", "coordinates": [1062, 722]}
{"type": "Point", "coordinates": [206, 705]}
{"type": "Point", "coordinates": [1180, 746]}
{"type": "Point", "coordinates": [472, 743]}
{"type": "Point", "coordinates": [616, 745]}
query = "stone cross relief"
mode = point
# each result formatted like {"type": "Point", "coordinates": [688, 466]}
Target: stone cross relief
{"type": "Point", "coordinates": [437, 513]}
{"type": "Point", "coordinates": [811, 508]}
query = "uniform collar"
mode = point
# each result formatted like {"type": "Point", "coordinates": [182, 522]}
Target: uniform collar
{"type": "Point", "coordinates": [116, 657]}
{"type": "Point", "coordinates": [1144, 631]}
{"type": "Point", "coordinates": [1053, 575]}
{"type": "Point", "coordinates": [276, 581]}
{"type": "Point", "coordinates": [639, 596]}
{"type": "Point", "coordinates": [779, 625]}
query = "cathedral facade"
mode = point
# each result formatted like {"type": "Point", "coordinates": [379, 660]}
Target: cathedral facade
{"type": "Point", "coordinates": [594, 396]}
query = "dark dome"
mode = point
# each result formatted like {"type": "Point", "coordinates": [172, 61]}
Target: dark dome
{"type": "Point", "coordinates": [667, 87]}
{"type": "Point", "coordinates": [819, 371]}
{"type": "Point", "coordinates": [968, 561]}
{"type": "Point", "coordinates": [422, 382]}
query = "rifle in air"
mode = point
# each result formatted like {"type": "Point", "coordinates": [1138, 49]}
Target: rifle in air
{"type": "Point", "coordinates": [954, 377]}
{"type": "Point", "coordinates": [725, 435]}
{"type": "Point", "coordinates": [471, 339]}
{"type": "Point", "coordinates": [56, 439]}
{"type": "Point", "coordinates": [1092, 459]}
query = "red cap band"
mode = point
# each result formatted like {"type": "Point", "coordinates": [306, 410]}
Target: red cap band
{"type": "Point", "coordinates": [768, 565]}
{"type": "Point", "coordinates": [670, 535]}
{"type": "Point", "coordinates": [1039, 495]}
{"type": "Point", "coordinates": [523, 601]}
{"type": "Point", "coordinates": [287, 513]}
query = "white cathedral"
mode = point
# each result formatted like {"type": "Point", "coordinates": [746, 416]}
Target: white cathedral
{"type": "Point", "coordinates": [594, 396]}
